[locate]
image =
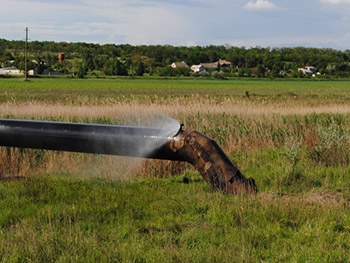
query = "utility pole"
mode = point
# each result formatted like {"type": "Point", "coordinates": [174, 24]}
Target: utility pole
{"type": "Point", "coordinates": [26, 57]}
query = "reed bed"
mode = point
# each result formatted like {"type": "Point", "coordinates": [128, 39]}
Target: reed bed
{"type": "Point", "coordinates": [238, 125]}
{"type": "Point", "coordinates": [124, 108]}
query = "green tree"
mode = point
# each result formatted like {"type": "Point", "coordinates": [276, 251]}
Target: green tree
{"type": "Point", "coordinates": [167, 71]}
{"type": "Point", "coordinates": [109, 67]}
{"type": "Point", "coordinates": [114, 67]}
{"type": "Point", "coordinates": [82, 70]}
{"type": "Point", "coordinates": [140, 68]}
{"type": "Point", "coordinates": [88, 59]}
{"type": "Point", "coordinates": [261, 71]}
{"type": "Point", "coordinates": [121, 68]}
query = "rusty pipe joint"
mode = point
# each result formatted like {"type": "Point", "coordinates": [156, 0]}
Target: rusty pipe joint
{"type": "Point", "coordinates": [211, 161]}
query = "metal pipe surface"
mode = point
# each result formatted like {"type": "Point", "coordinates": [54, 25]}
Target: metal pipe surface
{"type": "Point", "coordinates": [88, 138]}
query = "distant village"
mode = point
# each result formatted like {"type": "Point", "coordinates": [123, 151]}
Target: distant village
{"type": "Point", "coordinates": [49, 58]}
{"type": "Point", "coordinates": [202, 67]}
{"type": "Point", "coordinates": [199, 68]}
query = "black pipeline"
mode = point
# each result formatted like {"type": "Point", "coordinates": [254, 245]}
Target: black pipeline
{"type": "Point", "coordinates": [145, 142]}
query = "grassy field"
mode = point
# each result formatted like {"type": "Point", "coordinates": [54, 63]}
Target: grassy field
{"type": "Point", "coordinates": [292, 137]}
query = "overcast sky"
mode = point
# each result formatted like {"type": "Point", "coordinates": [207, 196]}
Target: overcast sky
{"type": "Point", "coordinates": [249, 23]}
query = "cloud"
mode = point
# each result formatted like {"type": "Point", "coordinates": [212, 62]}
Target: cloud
{"type": "Point", "coordinates": [180, 22]}
{"type": "Point", "coordinates": [337, 1]}
{"type": "Point", "coordinates": [260, 5]}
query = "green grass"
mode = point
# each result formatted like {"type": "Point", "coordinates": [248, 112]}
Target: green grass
{"type": "Point", "coordinates": [71, 219]}
{"type": "Point", "coordinates": [61, 89]}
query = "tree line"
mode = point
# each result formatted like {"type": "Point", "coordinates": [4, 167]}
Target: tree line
{"type": "Point", "coordinates": [124, 59]}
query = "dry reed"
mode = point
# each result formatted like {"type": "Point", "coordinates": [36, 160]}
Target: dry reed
{"type": "Point", "coordinates": [237, 124]}
{"type": "Point", "coordinates": [173, 107]}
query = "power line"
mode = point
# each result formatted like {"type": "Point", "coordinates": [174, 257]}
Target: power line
{"type": "Point", "coordinates": [26, 56]}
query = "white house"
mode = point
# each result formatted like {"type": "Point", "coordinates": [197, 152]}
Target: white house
{"type": "Point", "coordinates": [10, 71]}
{"type": "Point", "coordinates": [32, 72]}
{"type": "Point", "coordinates": [197, 68]}
{"type": "Point", "coordinates": [308, 70]}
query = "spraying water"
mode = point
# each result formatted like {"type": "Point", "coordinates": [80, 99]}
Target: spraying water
{"type": "Point", "coordinates": [166, 129]}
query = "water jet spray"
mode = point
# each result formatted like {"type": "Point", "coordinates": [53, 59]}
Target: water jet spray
{"type": "Point", "coordinates": [146, 142]}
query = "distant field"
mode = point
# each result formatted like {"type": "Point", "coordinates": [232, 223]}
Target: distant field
{"type": "Point", "coordinates": [60, 88]}
{"type": "Point", "coordinates": [170, 96]}
{"type": "Point", "coordinates": [292, 137]}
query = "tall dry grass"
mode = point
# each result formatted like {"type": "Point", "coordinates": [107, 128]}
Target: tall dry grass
{"type": "Point", "coordinates": [124, 109]}
{"type": "Point", "coordinates": [242, 125]}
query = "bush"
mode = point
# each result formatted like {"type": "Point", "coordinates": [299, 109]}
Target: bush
{"type": "Point", "coordinates": [332, 147]}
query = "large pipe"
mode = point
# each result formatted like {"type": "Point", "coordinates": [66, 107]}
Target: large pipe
{"type": "Point", "coordinates": [190, 146]}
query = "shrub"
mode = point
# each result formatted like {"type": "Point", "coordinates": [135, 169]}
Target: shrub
{"type": "Point", "coordinates": [332, 147]}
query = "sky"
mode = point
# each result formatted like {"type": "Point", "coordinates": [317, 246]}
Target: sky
{"type": "Point", "coordinates": [241, 23]}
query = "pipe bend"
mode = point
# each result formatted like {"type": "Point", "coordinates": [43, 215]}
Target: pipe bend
{"type": "Point", "coordinates": [211, 161]}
